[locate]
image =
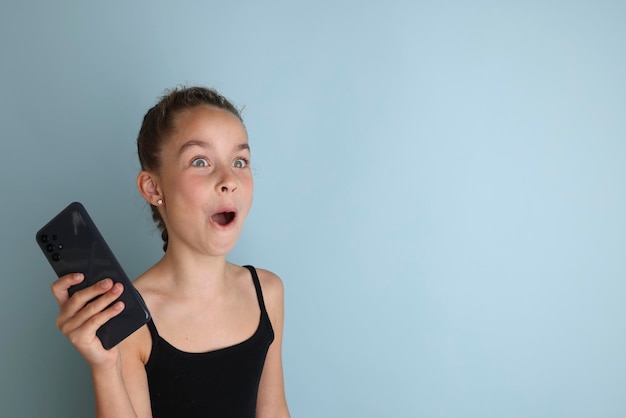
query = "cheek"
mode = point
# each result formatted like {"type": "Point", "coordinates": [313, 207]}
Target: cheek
{"type": "Point", "coordinates": [248, 192]}
{"type": "Point", "coordinates": [250, 187]}
{"type": "Point", "coordinates": [185, 193]}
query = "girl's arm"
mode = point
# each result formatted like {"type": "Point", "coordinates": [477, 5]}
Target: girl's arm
{"type": "Point", "coordinates": [112, 399]}
{"type": "Point", "coordinates": [80, 317]}
{"type": "Point", "coordinates": [271, 400]}
{"type": "Point", "coordinates": [123, 391]}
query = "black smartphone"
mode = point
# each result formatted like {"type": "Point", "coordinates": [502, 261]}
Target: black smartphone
{"type": "Point", "coordinates": [72, 244]}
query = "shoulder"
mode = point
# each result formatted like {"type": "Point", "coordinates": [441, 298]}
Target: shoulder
{"type": "Point", "coordinates": [273, 292]}
{"type": "Point", "coordinates": [139, 344]}
{"type": "Point", "coordinates": [270, 281]}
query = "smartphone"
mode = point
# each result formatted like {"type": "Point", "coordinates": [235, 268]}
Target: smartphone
{"type": "Point", "coordinates": [72, 244]}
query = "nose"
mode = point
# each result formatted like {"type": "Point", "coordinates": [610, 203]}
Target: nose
{"type": "Point", "coordinates": [227, 181]}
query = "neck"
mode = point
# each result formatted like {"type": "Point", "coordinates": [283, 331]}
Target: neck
{"type": "Point", "coordinates": [193, 274]}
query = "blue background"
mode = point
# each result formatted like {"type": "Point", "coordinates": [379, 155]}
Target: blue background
{"type": "Point", "coordinates": [441, 186]}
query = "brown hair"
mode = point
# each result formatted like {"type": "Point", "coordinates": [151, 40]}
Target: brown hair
{"type": "Point", "coordinates": [159, 123]}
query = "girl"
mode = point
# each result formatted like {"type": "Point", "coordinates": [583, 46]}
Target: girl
{"type": "Point", "coordinates": [213, 345]}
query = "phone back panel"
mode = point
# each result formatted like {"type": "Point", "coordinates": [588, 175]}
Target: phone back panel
{"type": "Point", "coordinates": [72, 244]}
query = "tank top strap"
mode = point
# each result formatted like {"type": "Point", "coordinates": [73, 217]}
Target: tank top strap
{"type": "Point", "coordinates": [154, 349]}
{"type": "Point", "coordinates": [257, 286]}
{"type": "Point", "coordinates": [153, 331]}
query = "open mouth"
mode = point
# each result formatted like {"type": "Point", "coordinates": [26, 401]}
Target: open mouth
{"type": "Point", "coordinates": [223, 218]}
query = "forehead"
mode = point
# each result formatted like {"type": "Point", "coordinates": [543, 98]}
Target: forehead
{"type": "Point", "coordinates": [209, 124]}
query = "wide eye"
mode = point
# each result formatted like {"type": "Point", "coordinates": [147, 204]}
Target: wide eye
{"type": "Point", "coordinates": [240, 163]}
{"type": "Point", "coordinates": [199, 162]}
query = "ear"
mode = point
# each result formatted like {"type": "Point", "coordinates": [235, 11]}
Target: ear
{"type": "Point", "coordinates": [148, 185]}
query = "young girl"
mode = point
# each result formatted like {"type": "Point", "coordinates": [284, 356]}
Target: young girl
{"type": "Point", "coordinates": [213, 345]}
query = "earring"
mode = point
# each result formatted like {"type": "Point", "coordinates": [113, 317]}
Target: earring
{"type": "Point", "coordinates": [160, 202]}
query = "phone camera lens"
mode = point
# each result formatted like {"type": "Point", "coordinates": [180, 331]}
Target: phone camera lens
{"type": "Point", "coordinates": [44, 238]}
{"type": "Point", "coordinates": [50, 248]}
{"type": "Point", "coordinates": [54, 238]}
{"type": "Point", "coordinates": [60, 246]}
{"type": "Point", "coordinates": [56, 257]}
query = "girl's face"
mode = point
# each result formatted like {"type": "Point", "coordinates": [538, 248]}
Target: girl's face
{"type": "Point", "coordinates": [205, 180]}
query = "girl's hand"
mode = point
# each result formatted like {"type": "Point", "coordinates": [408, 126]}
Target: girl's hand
{"type": "Point", "coordinates": [84, 312]}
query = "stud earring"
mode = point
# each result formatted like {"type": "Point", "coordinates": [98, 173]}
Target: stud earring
{"type": "Point", "coordinates": [160, 202]}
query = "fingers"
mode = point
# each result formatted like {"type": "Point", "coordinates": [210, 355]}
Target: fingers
{"type": "Point", "coordinates": [80, 298]}
{"type": "Point", "coordinates": [82, 328]}
{"type": "Point", "coordinates": [60, 287]}
{"type": "Point", "coordinates": [83, 313]}
{"type": "Point", "coordinates": [87, 305]}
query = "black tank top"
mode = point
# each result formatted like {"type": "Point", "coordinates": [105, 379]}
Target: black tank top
{"type": "Point", "coordinates": [220, 383]}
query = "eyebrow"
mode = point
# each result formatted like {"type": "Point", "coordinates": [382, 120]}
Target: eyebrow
{"type": "Point", "coordinates": [206, 145]}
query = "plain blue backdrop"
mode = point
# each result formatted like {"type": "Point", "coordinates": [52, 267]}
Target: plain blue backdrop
{"type": "Point", "coordinates": [441, 186]}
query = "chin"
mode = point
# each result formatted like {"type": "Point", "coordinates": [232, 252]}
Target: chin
{"type": "Point", "coordinates": [220, 249]}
